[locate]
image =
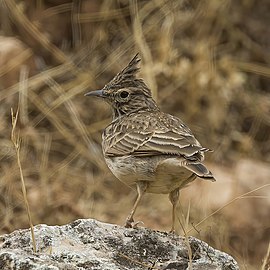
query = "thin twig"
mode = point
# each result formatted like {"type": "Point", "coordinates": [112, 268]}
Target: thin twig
{"type": "Point", "coordinates": [26, 25]}
{"type": "Point", "coordinates": [17, 142]}
{"type": "Point", "coordinates": [183, 225]}
{"type": "Point", "coordinates": [266, 260]}
{"type": "Point", "coordinates": [243, 196]}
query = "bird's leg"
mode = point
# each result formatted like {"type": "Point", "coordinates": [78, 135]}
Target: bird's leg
{"type": "Point", "coordinates": [141, 188]}
{"type": "Point", "coordinates": [174, 198]}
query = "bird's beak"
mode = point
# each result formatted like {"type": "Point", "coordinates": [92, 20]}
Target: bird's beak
{"type": "Point", "coordinates": [96, 93]}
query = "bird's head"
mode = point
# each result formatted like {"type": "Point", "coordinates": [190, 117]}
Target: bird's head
{"type": "Point", "coordinates": [125, 92]}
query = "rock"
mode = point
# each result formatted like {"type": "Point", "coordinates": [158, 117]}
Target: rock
{"type": "Point", "coordinates": [90, 244]}
{"type": "Point", "coordinates": [14, 54]}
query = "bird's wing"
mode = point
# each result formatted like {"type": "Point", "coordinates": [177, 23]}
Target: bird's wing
{"type": "Point", "coordinates": [151, 134]}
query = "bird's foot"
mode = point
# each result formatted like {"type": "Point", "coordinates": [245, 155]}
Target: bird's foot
{"type": "Point", "coordinates": [131, 224]}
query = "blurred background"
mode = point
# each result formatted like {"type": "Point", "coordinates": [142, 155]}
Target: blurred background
{"type": "Point", "coordinates": [207, 62]}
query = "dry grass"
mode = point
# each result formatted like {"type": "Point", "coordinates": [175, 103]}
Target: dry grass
{"type": "Point", "coordinates": [266, 260]}
{"type": "Point", "coordinates": [206, 62]}
{"type": "Point", "coordinates": [17, 144]}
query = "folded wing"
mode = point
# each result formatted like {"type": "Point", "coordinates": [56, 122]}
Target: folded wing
{"type": "Point", "coordinates": [149, 135]}
{"type": "Point", "coordinates": [143, 136]}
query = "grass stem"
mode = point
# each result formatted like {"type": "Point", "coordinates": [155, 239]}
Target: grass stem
{"type": "Point", "coordinates": [17, 143]}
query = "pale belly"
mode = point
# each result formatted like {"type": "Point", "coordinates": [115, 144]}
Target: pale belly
{"type": "Point", "coordinates": [163, 174]}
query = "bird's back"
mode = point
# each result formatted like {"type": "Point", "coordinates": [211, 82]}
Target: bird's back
{"type": "Point", "coordinates": [149, 133]}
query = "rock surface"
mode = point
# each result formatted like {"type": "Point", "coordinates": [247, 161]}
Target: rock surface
{"type": "Point", "coordinates": [90, 244]}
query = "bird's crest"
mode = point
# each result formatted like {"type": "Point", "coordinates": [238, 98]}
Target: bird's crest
{"type": "Point", "coordinates": [127, 77]}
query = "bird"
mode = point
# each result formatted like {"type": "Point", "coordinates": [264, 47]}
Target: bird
{"type": "Point", "coordinates": [148, 150]}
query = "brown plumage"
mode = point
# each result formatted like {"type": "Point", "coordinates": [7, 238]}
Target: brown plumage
{"type": "Point", "coordinates": [144, 147]}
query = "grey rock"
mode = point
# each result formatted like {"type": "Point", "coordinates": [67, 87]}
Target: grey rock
{"type": "Point", "coordinates": [90, 244]}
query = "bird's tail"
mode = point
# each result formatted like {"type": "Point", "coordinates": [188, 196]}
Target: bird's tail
{"type": "Point", "coordinates": [200, 170]}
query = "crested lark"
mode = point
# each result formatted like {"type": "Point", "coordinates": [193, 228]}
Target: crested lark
{"type": "Point", "coordinates": [144, 147]}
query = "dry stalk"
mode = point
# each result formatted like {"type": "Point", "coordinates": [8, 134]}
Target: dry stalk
{"type": "Point", "coordinates": [26, 25]}
{"type": "Point", "coordinates": [140, 41]}
{"type": "Point", "coordinates": [243, 196]}
{"type": "Point", "coordinates": [184, 225]}
{"type": "Point", "coordinates": [15, 62]}
{"type": "Point", "coordinates": [266, 260]}
{"type": "Point", "coordinates": [36, 81]}
{"type": "Point", "coordinates": [17, 142]}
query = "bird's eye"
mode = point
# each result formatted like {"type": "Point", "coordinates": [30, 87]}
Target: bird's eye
{"type": "Point", "coordinates": [124, 94]}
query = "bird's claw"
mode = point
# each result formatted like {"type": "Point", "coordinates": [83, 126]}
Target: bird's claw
{"type": "Point", "coordinates": [131, 224]}
{"type": "Point", "coordinates": [172, 230]}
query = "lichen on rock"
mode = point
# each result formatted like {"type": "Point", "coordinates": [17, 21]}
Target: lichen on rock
{"type": "Point", "coordinates": [90, 244]}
